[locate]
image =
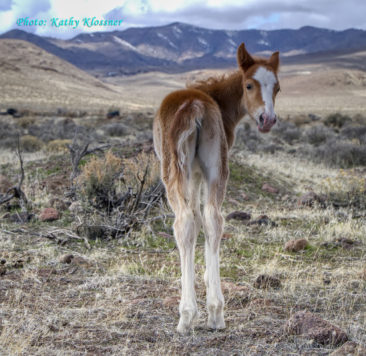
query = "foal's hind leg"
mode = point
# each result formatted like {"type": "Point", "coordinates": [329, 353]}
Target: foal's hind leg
{"type": "Point", "coordinates": [213, 225]}
{"type": "Point", "coordinates": [186, 228]}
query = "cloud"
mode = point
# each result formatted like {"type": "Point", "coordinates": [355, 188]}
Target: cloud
{"type": "Point", "coordinates": [5, 5]}
{"type": "Point", "coordinates": [215, 14]}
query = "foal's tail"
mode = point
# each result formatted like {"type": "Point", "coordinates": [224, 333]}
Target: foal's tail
{"type": "Point", "coordinates": [184, 135]}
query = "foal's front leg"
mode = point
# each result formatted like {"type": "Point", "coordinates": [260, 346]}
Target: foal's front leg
{"type": "Point", "coordinates": [185, 235]}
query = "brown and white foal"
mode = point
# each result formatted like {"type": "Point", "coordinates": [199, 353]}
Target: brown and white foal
{"type": "Point", "coordinates": [193, 132]}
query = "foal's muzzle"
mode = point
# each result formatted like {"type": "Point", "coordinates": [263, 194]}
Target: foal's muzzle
{"type": "Point", "coordinates": [266, 122]}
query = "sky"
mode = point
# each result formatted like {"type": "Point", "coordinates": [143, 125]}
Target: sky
{"type": "Point", "coordinates": [213, 14]}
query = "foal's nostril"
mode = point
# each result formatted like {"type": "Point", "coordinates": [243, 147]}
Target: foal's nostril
{"type": "Point", "coordinates": [261, 120]}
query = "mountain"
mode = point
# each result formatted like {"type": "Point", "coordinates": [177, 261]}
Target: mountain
{"type": "Point", "coordinates": [180, 47]}
{"type": "Point", "coordinates": [33, 78]}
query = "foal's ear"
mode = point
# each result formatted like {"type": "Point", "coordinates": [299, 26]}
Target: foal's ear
{"type": "Point", "coordinates": [274, 61]}
{"type": "Point", "coordinates": [245, 60]}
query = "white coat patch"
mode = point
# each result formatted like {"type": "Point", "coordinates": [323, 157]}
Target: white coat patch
{"type": "Point", "coordinates": [267, 80]}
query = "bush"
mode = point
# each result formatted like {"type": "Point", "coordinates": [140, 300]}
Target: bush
{"type": "Point", "coordinates": [354, 132]}
{"type": "Point", "coordinates": [98, 180]}
{"type": "Point", "coordinates": [25, 121]}
{"type": "Point", "coordinates": [337, 120]}
{"type": "Point", "coordinates": [317, 135]}
{"type": "Point", "coordinates": [115, 129]}
{"type": "Point", "coordinates": [248, 138]}
{"type": "Point", "coordinates": [341, 154]}
{"type": "Point", "coordinates": [287, 131]}
{"type": "Point", "coordinates": [8, 135]}
{"type": "Point", "coordinates": [119, 203]}
{"type": "Point", "coordinates": [30, 143]}
{"type": "Point", "coordinates": [59, 129]}
{"type": "Point", "coordinates": [58, 146]}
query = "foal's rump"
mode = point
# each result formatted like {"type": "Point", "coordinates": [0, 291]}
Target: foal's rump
{"type": "Point", "coordinates": [194, 136]}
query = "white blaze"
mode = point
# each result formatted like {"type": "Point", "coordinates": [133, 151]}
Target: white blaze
{"type": "Point", "coordinates": [267, 80]}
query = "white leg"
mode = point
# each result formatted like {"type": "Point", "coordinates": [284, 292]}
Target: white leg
{"type": "Point", "coordinates": [185, 234]}
{"type": "Point", "coordinates": [213, 223]}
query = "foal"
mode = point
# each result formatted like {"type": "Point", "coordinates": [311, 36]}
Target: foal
{"type": "Point", "coordinates": [193, 132]}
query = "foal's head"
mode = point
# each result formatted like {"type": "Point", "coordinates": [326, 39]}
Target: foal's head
{"type": "Point", "coordinates": [260, 86]}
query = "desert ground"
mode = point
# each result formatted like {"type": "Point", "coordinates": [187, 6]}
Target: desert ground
{"type": "Point", "coordinates": [88, 263]}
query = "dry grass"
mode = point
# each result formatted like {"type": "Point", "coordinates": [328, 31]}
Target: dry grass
{"type": "Point", "coordinates": [121, 297]}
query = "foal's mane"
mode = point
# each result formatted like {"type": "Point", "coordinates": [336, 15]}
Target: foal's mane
{"type": "Point", "coordinates": [222, 82]}
{"type": "Point", "coordinates": [215, 83]}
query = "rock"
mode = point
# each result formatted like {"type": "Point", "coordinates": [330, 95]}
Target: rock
{"type": "Point", "coordinates": [350, 348]}
{"type": "Point", "coordinates": [263, 220]}
{"type": "Point", "coordinates": [238, 215]}
{"type": "Point", "coordinates": [310, 198]}
{"type": "Point", "coordinates": [49, 214]}
{"type": "Point", "coordinates": [12, 111]}
{"type": "Point", "coordinates": [226, 235]}
{"type": "Point", "coordinates": [112, 114]}
{"type": "Point", "coordinates": [315, 328]}
{"type": "Point", "coordinates": [269, 189]}
{"type": "Point", "coordinates": [265, 281]}
{"type": "Point", "coordinates": [5, 184]}
{"type": "Point", "coordinates": [67, 258]}
{"type": "Point", "coordinates": [2, 270]}
{"type": "Point", "coordinates": [296, 245]}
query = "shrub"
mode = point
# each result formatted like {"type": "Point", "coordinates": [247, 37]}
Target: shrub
{"type": "Point", "coordinates": [98, 179]}
{"type": "Point", "coordinates": [337, 120]}
{"type": "Point", "coordinates": [341, 154]}
{"type": "Point", "coordinates": [8, 134]}
{"type": "Point", "coordinates": [287, 131]}
{"type": "Point", "coordinates": [30, 143]}
{"type": "Point", "coordinates": [354, 132]}
{"type": "Point", "coordinates": [58, 146]}
{"type": "Point", "coordinates": [115, 129]}
{"type": "Point", "coordinates": [134, 169]}
{"type": "Point", "coordinates": [25, 121]}
{"type": "Point", "coordinates": [122, 201]}
{"type": "Point", "coordinates": [317, 135]}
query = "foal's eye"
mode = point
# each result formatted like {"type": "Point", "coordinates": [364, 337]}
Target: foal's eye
{"type": "Point", "coordinates": [249, 86]}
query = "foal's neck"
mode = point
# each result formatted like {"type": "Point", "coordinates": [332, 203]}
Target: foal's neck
{"type": "Point", "coordinates": [228, 94]}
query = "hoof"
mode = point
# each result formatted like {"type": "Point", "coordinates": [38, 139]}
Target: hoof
{"type": "Point", "coordinates": [216, 325]}
{"type": "Point", "coordinates": [185, 324]}
{"type": "Point", "coordinates": [216, 318]}
{"type": "Point", "coordinates": [184, 329]}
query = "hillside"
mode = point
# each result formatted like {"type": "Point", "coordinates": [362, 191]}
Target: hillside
{"type": "Point", "coordinates": [32, 78]}
{"type": "Point", "coordinates": [181, 47]}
